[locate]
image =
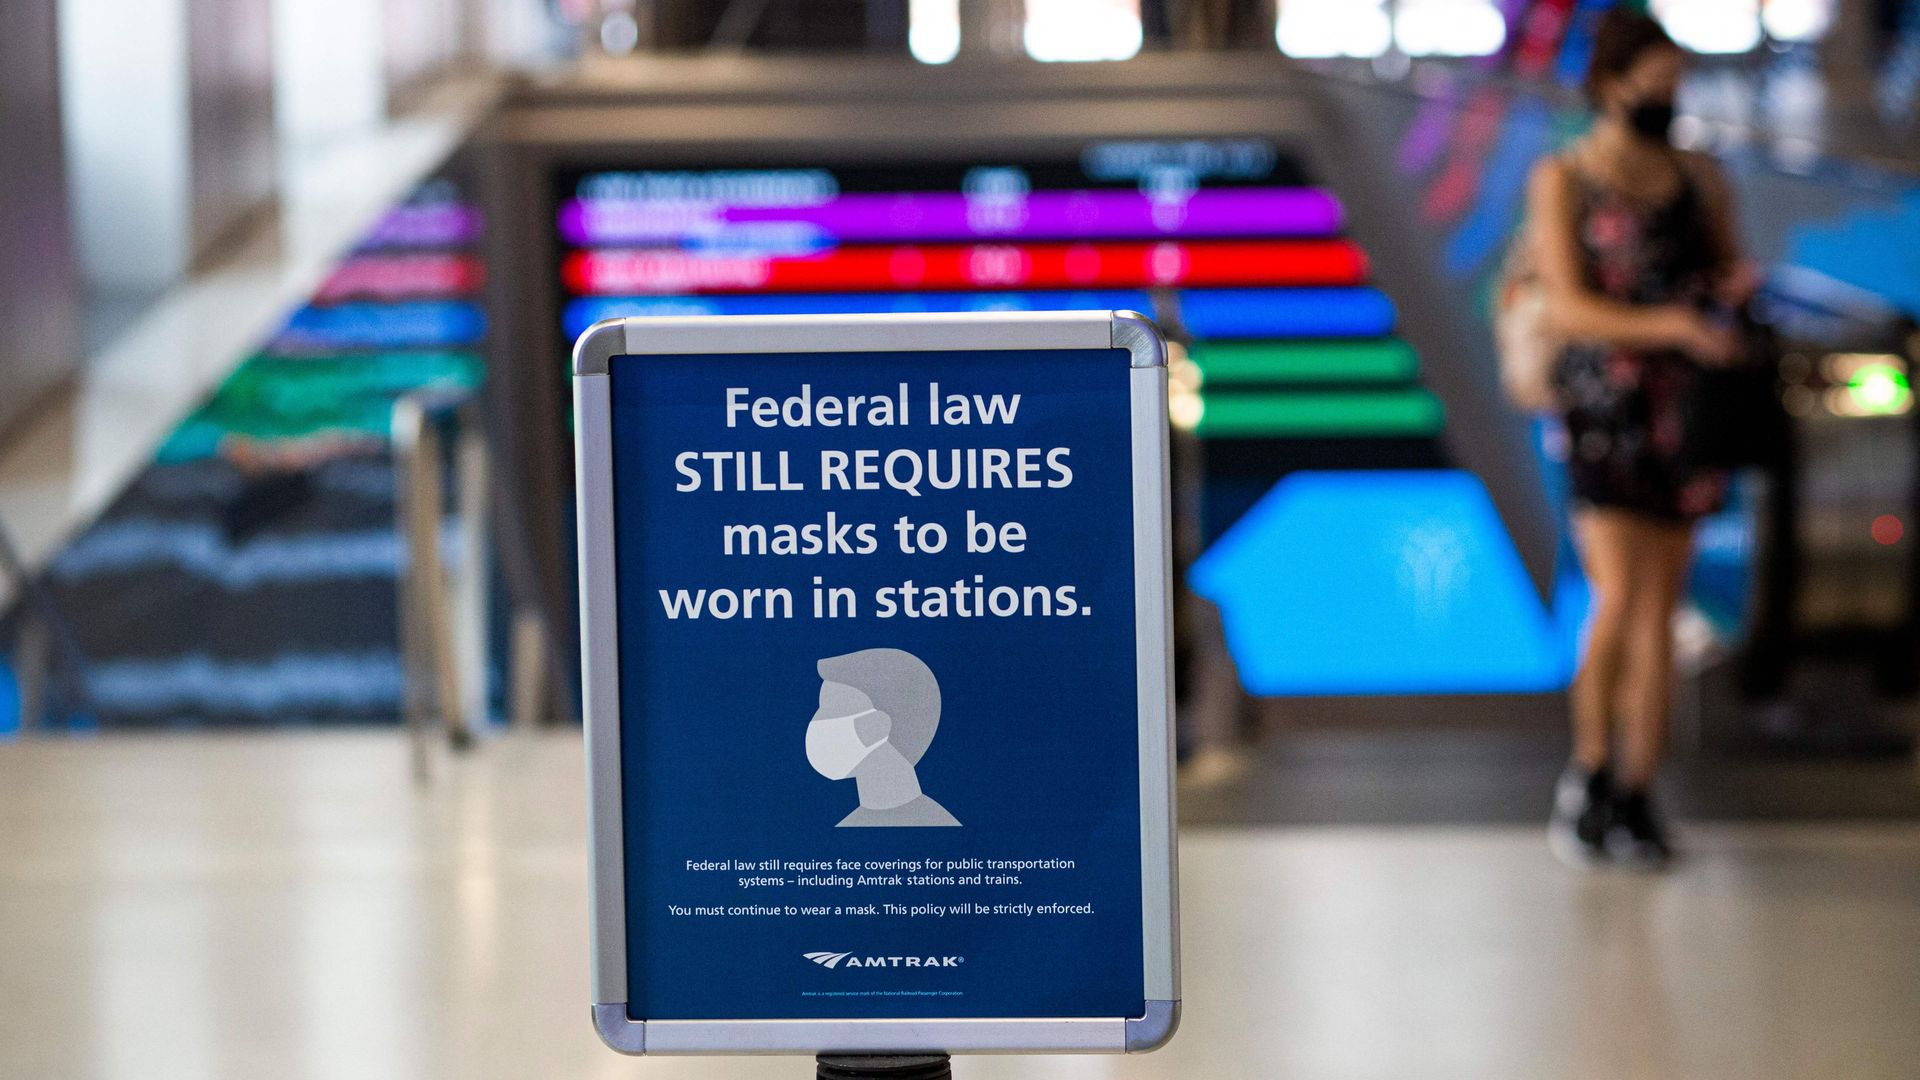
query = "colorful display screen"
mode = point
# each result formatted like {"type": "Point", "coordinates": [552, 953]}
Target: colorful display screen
{"type": "Point", "coordinates": [1231, 227]}
{"type": "Point", "coordinates": [1223, 240]}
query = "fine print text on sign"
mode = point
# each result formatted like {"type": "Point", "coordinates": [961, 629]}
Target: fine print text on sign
{"type": "Point", "coordinates": [878, 684]}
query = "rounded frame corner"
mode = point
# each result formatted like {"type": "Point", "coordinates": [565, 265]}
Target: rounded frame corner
{"type": "Point", "coordinates": [1141, 337]}
{"type": "Point", "coordinates": [1155, 1029]}
{"type": "Point", "coordinates": [597, 345]}
{"type": "Point", "coordinates": [617, 1031]}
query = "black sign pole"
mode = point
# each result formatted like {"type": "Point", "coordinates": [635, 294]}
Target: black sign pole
{"type": "Point", "coordinates": [884, 1067]}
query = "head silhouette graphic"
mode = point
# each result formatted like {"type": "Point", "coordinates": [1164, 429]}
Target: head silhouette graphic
{"type": "Point", "coordinates": [878, 712]}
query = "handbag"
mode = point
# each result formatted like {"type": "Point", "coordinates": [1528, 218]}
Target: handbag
{"type": "Point", "coordinates": [1527, 350]}
{"type": "Point", "coordinates": [1736, 418]}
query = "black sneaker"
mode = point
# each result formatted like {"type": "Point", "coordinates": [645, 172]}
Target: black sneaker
{"type": "Point", "coordinates": [1636, 836]}
{"type": "Point", "coordinates": [1582, 813]}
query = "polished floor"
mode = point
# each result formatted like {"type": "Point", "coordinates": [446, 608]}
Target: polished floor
{"type": "Point", "coordinates": [290, 906]}
{"type": "Point", "coordinates": [1456, 776]}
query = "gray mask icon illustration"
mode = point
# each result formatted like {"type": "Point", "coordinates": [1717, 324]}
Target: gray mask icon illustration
{"type": "Point", "coordinates": [878, 711]}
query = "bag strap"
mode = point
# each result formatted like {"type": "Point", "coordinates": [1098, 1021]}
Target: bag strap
{"type": "Point", "coordinates": [1523, 256]}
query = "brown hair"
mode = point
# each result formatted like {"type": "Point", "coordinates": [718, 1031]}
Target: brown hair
{"type": "Point", "coordinates": [1619, 42]}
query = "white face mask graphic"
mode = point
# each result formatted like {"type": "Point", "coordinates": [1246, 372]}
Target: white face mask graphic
{"type": "Point", "coordinates": [834, 748]}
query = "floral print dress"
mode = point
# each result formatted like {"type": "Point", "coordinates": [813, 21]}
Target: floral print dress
{"type": "Point", "coordinates": [1626, 410]}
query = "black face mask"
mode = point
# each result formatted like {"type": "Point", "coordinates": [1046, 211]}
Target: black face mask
{"type": "Point", "coordinates": [1651, 120]}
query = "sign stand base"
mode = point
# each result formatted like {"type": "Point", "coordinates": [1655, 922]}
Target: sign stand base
{"type": "Point", "coordinates": [884, 1067]}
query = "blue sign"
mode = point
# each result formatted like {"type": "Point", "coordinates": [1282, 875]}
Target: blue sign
{"type": "Point", "coordinates": [879, 684]}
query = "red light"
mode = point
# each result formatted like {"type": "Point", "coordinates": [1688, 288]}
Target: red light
{"type": "Point", "coordinates": [879, 268]}
{"type": "Point", "coordinates": [403, 277]}
{"type": "Point", "coordinates": [1887, 530]}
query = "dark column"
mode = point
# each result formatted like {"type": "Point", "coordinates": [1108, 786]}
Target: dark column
{"type": "Point", "coordinates": [40, 346]}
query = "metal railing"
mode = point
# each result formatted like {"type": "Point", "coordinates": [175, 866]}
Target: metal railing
{"type": "Point", "coordinates": [444, 586]}
{"type": "Point", "coordinates": [48, 662]}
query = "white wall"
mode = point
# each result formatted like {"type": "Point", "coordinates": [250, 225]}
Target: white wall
{"type": "Point", "coordinates": [123, 84]}
{"type": "Point", "coordinates": [167, 106]}
{"type": "Point", "coordinates": [329, 70]}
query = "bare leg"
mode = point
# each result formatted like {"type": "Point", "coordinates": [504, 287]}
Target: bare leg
{"type": "Point", "coordinates": [1646, 690]}
{"type": "Point", "coordinates": [1606, 554]}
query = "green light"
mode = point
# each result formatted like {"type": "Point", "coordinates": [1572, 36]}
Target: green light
{"type": "Point", "coordinates": [1287, 362]}
{"type": "Point", "coordinates": [1361, 414]}
{"type": "Point", "coordinates": [1879, 389]}
{"type": "Point", "coordinates": [273, 397]}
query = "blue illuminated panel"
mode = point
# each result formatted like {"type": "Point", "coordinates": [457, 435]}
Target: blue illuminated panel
{"type": "Point", "coordinates": [1380, 583]}
{"type": "Point", "coordinates": [1871, 250]}
{"type": "Point", "coordinates": [1286, 313]}
{"type": "Point", "coordinates": [422, 324]}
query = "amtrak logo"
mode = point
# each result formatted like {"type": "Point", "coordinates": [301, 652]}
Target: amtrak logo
{"type": "Point", "coordinates": [848, 959]}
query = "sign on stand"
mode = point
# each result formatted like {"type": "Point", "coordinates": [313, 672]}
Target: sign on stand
{"type": "Point", "coordinates": [877, 682]}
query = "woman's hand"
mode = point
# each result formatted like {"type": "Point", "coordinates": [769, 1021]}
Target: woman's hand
{"type": "Point", "coordinates": [1737, 284]}
{"type": "Point", "coordinates": [1706, 341]}
{"type": "Point", "coordinates": [1709, 343]}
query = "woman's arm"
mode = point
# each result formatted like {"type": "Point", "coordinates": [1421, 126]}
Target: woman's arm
{"type": "Point", "coordinates": [1734, 278]}
{"type": "Point", "coordinates": [1575, 311]}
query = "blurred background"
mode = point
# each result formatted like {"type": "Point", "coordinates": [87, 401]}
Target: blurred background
{"type": "Point", "coordinates": [290, 777]}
